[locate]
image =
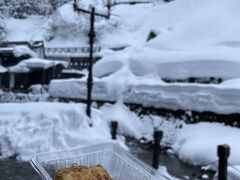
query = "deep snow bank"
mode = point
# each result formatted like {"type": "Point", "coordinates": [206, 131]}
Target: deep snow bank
{"type": "Point", "coordinates": [29, 128]}
{"type": "Point", "coordinates": [199, 24]}
{"type": "Point", "coordinates": [221, 99]}
{"type": "Point", "coordinates": [197, 144]}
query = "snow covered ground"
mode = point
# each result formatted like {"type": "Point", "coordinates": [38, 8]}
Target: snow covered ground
{"type": "Point", "coordinates": [193, 39]}
{"type": "Point", "coordinates": [178, 25]}
{"type": "Point", "coordinates": [30, 128]}
{"type": "Point", "coordinates": [185, 46]}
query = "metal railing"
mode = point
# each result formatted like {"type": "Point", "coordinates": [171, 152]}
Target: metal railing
{"type": "Point", "coordinates": [69, 50]}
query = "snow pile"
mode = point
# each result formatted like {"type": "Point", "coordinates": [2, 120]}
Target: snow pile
{"type": "Point", "coordinates": [197, 144]}
{"type": "Point", "coordinates": [152, 92]}
{"type": "Point", "coordinates": [141, 127]}
{"type": "Point", "coordinates": [197, 24]}
{"type": "Point", "coordinates": [128, 122]}
{"type": "Point", "coordinates": [222, 99]}
{"type": "Point", "coordinates": [205, 62]}
{"type": "Point", "coordinates": [37, 127]}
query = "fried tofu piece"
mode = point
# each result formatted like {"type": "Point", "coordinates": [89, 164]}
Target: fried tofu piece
{"type": "Point", "coordinates": [78, 172]}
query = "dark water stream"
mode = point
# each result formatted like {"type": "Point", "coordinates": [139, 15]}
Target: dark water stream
{"type": "Point", "coordinates": [174, 165]}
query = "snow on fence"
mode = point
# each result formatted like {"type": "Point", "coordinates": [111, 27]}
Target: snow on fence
{"type": "Point", "coordinates": [117, 2]}
{"type": "Point", "coordinates": [69, 51]}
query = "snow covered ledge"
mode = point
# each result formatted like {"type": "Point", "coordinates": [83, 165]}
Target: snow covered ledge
{"type": "Point", "coordinates": [221, 99]}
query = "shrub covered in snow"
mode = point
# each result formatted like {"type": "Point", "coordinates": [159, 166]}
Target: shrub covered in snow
{"type": "Point", "coordinates": [3, 8]}
{"type": "Point", "coordinates": [65, 23]}
{"type": "Point", "coordinates": [2, 29]}
{"type": "Point", "coordinates": [69, 24]}
{"type": "Point", "coordinates": [23, 8]}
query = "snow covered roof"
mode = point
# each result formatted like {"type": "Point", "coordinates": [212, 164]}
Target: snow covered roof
{"type": "Point", "coordinates": [23, 50]}
{"type": "Point", "coordinates": [19, 68]}
{"type": "Point", "coordinates": [32, 63]}
{"type": "Point", "coordinates": [18, 51]}
{"type": "Point", "coordinates": [6, 49]}
{"type": "Point", "coordinates": [2, 69]}
{"type": "Point", "coordinates": [74, 71]}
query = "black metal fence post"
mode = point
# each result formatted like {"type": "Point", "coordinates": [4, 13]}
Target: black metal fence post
{"type": "Point", "coordinates": [109, 4]}
{"type": "Point", "coordinates": [223, 154]}
{"type": "Point", "coordinates": [156, 149]}
{"type": "Point", "coordinates": [90, 79]}
{"type": "Point", "coordinates": [114, 126]}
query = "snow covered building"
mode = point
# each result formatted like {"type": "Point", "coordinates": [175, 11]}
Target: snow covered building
{"type": "Point", "coordinates": [10, 56]}
{"type": "Point", "coordinates": [21, 67]}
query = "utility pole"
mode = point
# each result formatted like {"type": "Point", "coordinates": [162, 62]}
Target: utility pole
{"type": "Point", "coordinates": [91, 42]}
{"type": "Point", "coordinates": [90, 78]}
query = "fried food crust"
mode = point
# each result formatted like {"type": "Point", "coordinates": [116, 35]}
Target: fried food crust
{"type": "Point", "coordinates": [78, 172]}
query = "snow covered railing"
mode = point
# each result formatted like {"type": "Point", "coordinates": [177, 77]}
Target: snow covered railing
{"type": "Point", "coordinates": [70, 50]}
{"type": "Point", "coordinates": [118, 2]}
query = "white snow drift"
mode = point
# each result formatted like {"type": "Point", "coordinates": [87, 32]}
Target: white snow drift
{"type": "Point", "coordinates": [27, 129]}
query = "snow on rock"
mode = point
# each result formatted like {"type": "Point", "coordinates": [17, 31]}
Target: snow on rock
{"type": "Point", "coordinates": [197, 144]}
{"type": "Point", "coordinates": [37, 127]}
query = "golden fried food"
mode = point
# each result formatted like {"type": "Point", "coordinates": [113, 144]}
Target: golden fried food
{"type": "Point", "coordinates": [78, 172]}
